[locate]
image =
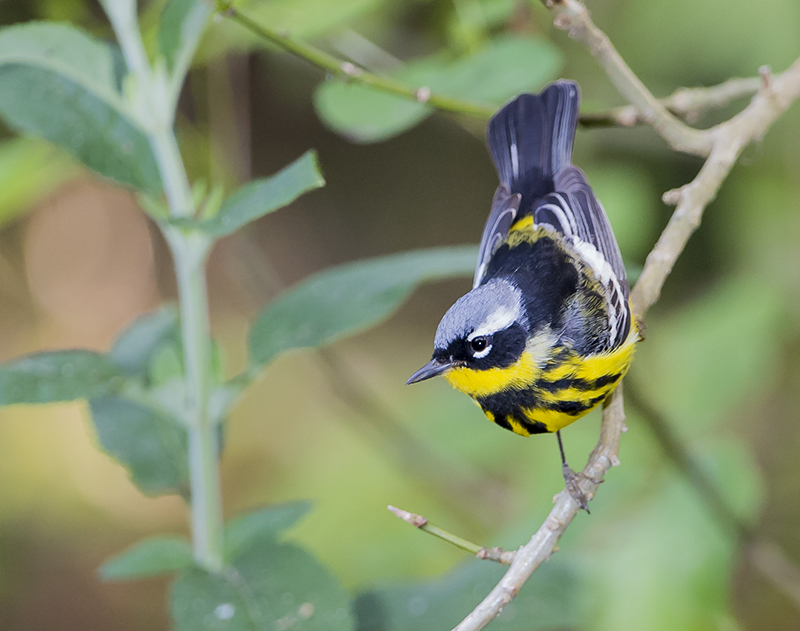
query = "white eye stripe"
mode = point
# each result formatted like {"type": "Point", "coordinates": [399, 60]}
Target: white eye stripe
{"type": "Point", "coordinates": [499, 320]}
{"type": "Point", "coordinates": [483, 353]}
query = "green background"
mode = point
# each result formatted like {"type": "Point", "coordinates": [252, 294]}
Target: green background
{"type": "Point", "coordinates": [78, 262]}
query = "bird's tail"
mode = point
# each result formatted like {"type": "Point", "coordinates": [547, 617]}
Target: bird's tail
{"type": "Point", "coordinates": [531, 137]}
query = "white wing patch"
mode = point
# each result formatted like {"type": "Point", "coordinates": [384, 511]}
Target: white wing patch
{"type": "Point", "coordinates": [615, 297]}
{"type": "Point", "coordinates": [562, 219]}
{"type": "Point", "coordinates": [514, 159]}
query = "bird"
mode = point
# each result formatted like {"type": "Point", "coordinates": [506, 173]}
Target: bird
{"type": "Point", "coordinates": [546, 333]}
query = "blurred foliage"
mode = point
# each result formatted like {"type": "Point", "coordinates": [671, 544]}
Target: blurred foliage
{"type": "Point", "coordinates": [61, 84]}
{"type": "Point", "coordinates": [348, 299]}
{"type": "Point", "coordinates": [151, 557]}
{"type": "Point", "coordinates": [29, 170]}
{"type": "Point", "coordinates": [546, 602]}
{"type": "Point", "coordinates": [719, 360]}
{"type": "Point", "coordinates": [267, 583]}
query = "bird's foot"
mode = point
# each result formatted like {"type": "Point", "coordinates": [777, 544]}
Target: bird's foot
{"type": "Point", "coordinates": [571, 478]}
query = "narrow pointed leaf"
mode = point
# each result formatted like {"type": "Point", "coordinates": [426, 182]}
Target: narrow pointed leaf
{"type": "Point", "coordinates": [63, 85]}
{"type": "Point", "coordinates": [151, 557]}
{"type": "Point", "coordinates": [58, 376]}
{"type": "Point", "coordinates": [350, 298]}
{"type": "Point", "coordinates": [148, 443]}
{"type": "Point", "coordinates": [261, 197]}
{"type": "Point", "coordinates": [180, 29]}
{"type": "Point", "coordinates": [137, 344]}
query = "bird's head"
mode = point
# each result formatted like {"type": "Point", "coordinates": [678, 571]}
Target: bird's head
{"type": "Point", "coordinates": [484, 329]}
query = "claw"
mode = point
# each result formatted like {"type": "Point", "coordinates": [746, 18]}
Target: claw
{"type": "Point", "coordinates": [571, 479]}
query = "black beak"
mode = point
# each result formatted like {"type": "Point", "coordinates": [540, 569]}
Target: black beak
{"type": "Point", "coordinates": [431, 369]}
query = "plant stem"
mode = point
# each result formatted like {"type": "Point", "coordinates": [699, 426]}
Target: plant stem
{"type": "Point", "coordinates": [207, 529]}
{"type": "Point", "coordinates": [173, 173]}
{"type": "Point", "coordinates": [189, 252]}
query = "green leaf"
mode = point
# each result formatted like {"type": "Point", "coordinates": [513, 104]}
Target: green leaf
{"type": "Point", "coordinates": [149, 444]}
{"type": "Point", "coordinates": [57, 376]}
{"type": "Point", "coordinates": [166, 365]}
{"type": "Point", "coordinates": [59, 83]}
{"type": "Point", "coordinates": [136, 345]}
{"type": "Point", "coordinates": [363, 114]}
{"type": "Point", "coordinates": [260, 197]}
{"type": "Point", "coordinates": [151, 557]}
{"type": "Point", "coordinates": [269, 522]}
{"type": "Point", "coordinates": [507, 66]}
{"type": "Point", "coordinates": [181, 26]}
{"type": "Point", "coordinates": [350, 298]}
{"type": "Point", "coordinates": [275, 586]}
{"type": "Point", "coordinates": [547, 601]}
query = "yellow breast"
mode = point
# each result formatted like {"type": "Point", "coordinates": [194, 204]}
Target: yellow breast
{"type": "Point", "coordinates": [481, 383]}
{"type": "Point", "coordinates": [547, 395]}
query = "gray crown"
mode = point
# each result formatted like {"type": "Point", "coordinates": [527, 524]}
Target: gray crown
{"type": "Point", "coordinates": [485, 310]}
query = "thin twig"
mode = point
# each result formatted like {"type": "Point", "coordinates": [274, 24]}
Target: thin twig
{"type": "Point", "coordinates": [573, 17]}
{"type": "Point", "coordinates": [689, 104]}
{"type": "Point", "coordinates": [722, 144]}
{"type": "Point", "coordinates": [504, 557]}
{"type": "Point", "coordinates": [347, 71]}
{"type": "Point", "coordinates": [730, 139]}
{"type": "Point", "coordinates": [543, 543]}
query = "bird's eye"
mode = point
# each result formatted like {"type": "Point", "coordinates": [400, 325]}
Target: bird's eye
{"type": "Point", "coordinates": [479, 345]}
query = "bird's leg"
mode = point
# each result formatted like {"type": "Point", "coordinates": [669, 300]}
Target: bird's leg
{"type": "Point", "coordinates": [571, 479]}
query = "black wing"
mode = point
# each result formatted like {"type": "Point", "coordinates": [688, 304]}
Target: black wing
{"type": "Point", "coordinates": [530, 139]}
{"type": "Point", "coordinates": [504, 211]}
{"type": "Point", "coordinates": [574, 211]}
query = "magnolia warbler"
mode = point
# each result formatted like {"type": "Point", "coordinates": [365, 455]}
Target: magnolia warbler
{"type": "Point", "coordinates": [546, 333]}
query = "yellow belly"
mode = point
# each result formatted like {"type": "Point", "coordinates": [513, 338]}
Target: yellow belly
{"type": "Point", "coordinates": [535, 395]}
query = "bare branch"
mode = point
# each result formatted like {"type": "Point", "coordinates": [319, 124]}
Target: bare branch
{"type": "Point", "coordinates": [573, 17]}
{"type": "Point", "coordinates": [689, 104]}
{"type": "Point", "coordinates": [504, 557]}
{"type": "Point", "coordinates": [542, 544]}
{"type": "Point", "coordinates": [730, 139]}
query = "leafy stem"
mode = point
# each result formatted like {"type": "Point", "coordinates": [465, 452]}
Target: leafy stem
{"type": "Point", "coordinates": [347, 71]}
{"type": "Point", "coordinates": [149, 96]}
